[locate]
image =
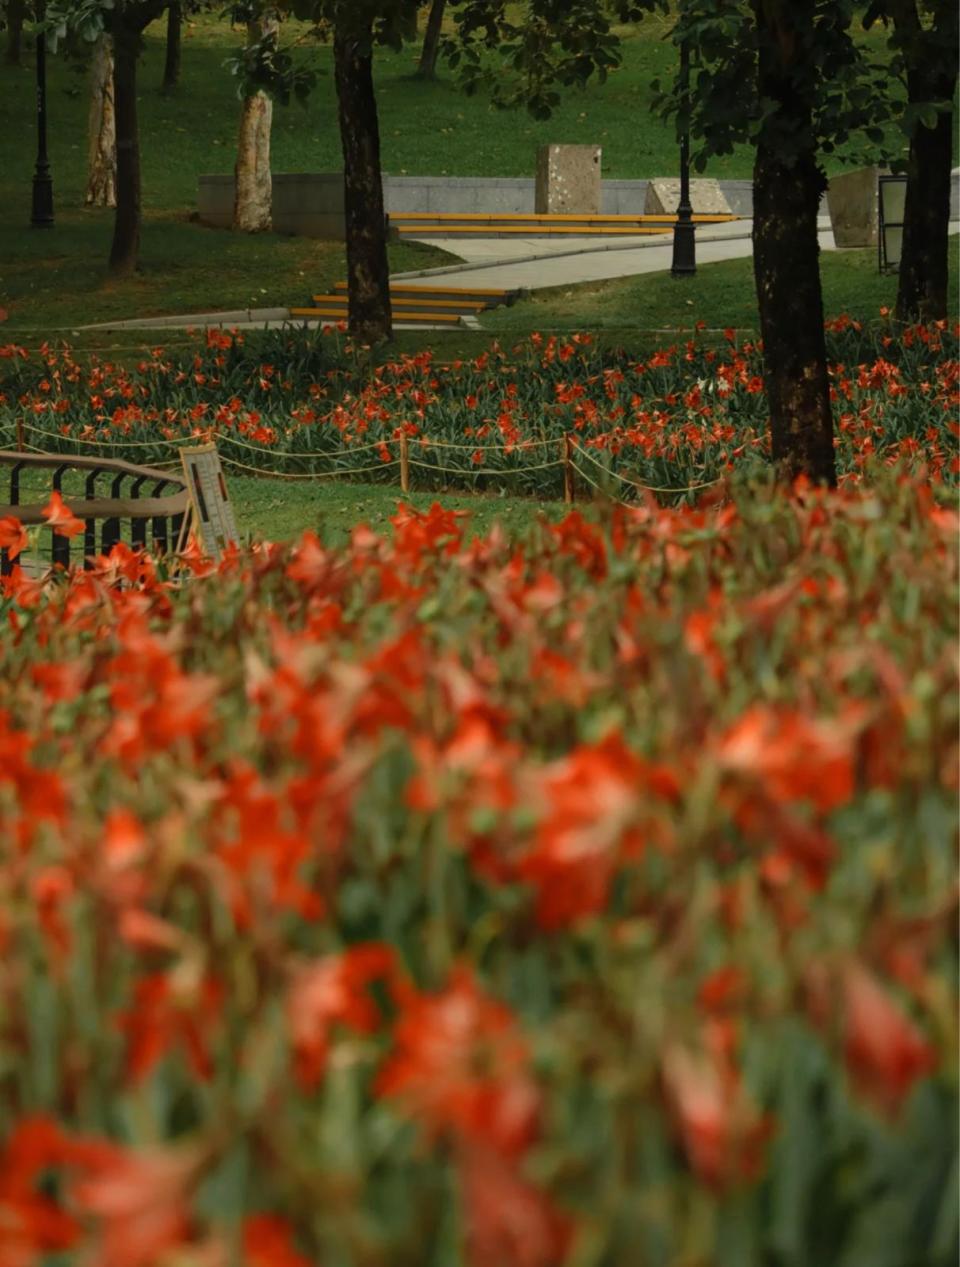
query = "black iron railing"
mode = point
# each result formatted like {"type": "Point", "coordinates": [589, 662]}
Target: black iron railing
{"type": "Point", "coordinates": [142, 497]}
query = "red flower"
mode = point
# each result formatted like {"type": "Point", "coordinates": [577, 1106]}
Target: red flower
{"type": "Point", "coordinates": [333, 991]}
{"type": "Point", "coordinates": [60, 517]}
{"type": "Point", "coordinates": [508, 1222]}
{"type": "Point", "coordinates": [268, 1242]}
{"type": "Point", "coordinates": [722, 1132]}
{"type": "Point", "coordinates": [793, 756]}
{"type": "Point", "coordinates": [460, 1067]}
{"type": "Point", "coordinates": [13, 536]}
{"type": "Point", "coordinates": [168, 1013]}
{"type": "Point", "coordinates": [137, 1200]}
{"type": "Point", "coordinates": [31, 1223]}
{"type": "Point", "coordinates": [885, 1051]}
{"type": "Point", "coordinates": [591, 798]}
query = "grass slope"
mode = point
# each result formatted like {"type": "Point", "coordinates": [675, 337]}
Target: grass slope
{"type": "Point", "coordinates": [57, 279]}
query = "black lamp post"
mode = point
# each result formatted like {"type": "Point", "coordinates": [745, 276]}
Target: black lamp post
{"type": "Point", "coordinates": [41, 215]}
{"type": "Point", "coordinates": [684, 230]}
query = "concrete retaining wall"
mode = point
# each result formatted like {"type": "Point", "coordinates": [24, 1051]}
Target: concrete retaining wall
{"type": "Point", "coordinates": [310, 204]}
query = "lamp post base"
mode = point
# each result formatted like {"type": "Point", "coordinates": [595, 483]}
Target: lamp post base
{"type": "Point", "coordinates": [684, 249]}
{"type": "Point", "coordinates": [41, 213]}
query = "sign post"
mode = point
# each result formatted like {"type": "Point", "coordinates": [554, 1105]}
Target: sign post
{"type": "Point", "coordinates": [212, 511]}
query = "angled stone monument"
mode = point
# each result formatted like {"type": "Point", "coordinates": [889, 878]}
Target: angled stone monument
{"type": "Point", "coordinates": [568, 180]}
{"type": "Point", "coordinates": [853, 202]}
{"type": "Point", "coordinates": [706, 198]}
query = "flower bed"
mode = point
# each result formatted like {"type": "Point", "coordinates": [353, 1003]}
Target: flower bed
{"type": "Point", "coordinates": [436, 900]}
{"type": "Point", "coordinates": [675, 420]}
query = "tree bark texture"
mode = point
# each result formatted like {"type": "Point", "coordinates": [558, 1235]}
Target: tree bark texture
{"type": "Point", "coordinates": [787, 273]}
{"type": "Point", "coordinates": [427, 68]}
{"type": "Point", "coordinates": [922, 283]}
{"type": "Point", "coordinates": [101, 131]}
{"type": "Point", "coordinates": [16, 12]}
{"type": "Point", "coordinates": [368, 273]}
{"type": "Point", "coordinates": [171, 64]}
{"type": "Point", "coordinates": [253, 189]}
{"type": "Point", "coordinates": [125, 249]}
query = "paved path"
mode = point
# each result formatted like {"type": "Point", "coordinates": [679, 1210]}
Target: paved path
{"type": "Point", "coordinates": [528, 264]}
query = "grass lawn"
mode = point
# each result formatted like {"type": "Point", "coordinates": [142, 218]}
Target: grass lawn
{"type": "Point", "coordinates": [720, 294]}
{"type": "Point", "coordinates": [52, 281]}
{"type": "Point", "coordinates": [279, 509]}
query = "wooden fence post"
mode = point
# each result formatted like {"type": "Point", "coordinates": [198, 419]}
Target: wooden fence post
{"type": "Point", "coordinates": [568, 486]}
{"type": "Point", "coordinates": [404, 464]}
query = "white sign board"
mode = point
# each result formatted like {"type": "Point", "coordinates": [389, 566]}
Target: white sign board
{"type": "Point", "coordinates": [212, 512]}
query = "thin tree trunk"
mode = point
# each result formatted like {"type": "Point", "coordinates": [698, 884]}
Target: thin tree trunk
{"type": "Point", "coordinates": [253, 183]}
{"type": "Point", "coordinates": [368, 273]}
{"type": "Point", "coordinates": [16, 12]}
{"type": "Point", "coordinates": [922, 283]}
{"type": "Point", "coordinates": [431, 41]}
{"type": "Point", "coordinates": [171, 65]}
{"type": "Point", "coordinates": [787, 272]}
{"type": "Point", "coordinates": [125, 248]}
{"type": "Point", "coordinates": [102, 135]}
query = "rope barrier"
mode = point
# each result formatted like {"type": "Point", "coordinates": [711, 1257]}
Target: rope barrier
{"type": "Point", "coordinates": [469, 448]}
{"type": "Point", "coordinates": [117, 444]}
{"type": "Point", "coordinates": [308, 475]}
{"type": "Point", "coordinates": [484, 470]}
{"type": "Point", "coordinates": [583, 475]}
{"type": "Point", "coordinates": [282, 453]}
{"type": "Point", "coordinates": [650, 488]}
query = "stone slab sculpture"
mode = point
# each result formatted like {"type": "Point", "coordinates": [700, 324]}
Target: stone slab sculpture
{"type": "Point", "coordinates": [568, 180]}
{"type": "Point", "coordinates": [854, 206]}
{"type": "Point", "coordinates": [706, 198]}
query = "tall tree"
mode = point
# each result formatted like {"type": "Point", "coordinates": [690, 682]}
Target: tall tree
{"type": "Point", "coordinates": [127, 21]}
{"type": "Point", "coordinates": [101, 128]}
{"type": "Point", "coordinates": [924, 38]}
{"type": "Point", "coordinates": [357, 28]}
{"type": "Point", "coordinates": [15, 12]}
{"type": "Point", "coordinates": [427, 66]}
{"type": "Point", "coordinates": [253, 183]}
{"type": "Point", "coordinates": [783, 75]}
{"type": "Point", "coordinates": [171, 58]}
{"type": "Point", "coordinates": [368, 271]}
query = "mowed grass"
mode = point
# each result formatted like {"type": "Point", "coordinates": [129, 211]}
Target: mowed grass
{"type": "Point", "coordinates": [277, 510]}
{"type": "Point", "coordinates": [720, 294]}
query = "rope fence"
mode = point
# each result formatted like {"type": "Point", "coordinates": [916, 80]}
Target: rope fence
{"type": "Point", "coordinates": [570, 459]}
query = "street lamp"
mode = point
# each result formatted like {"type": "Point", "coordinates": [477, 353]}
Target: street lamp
{"type": "Point", "coordinates": [684, 231]}
{"type": "Point", "coordinates": [41, 215]}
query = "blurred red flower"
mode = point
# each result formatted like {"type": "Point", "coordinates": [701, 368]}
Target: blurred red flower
{"type": "Point", "coordinates": [460, 1066]}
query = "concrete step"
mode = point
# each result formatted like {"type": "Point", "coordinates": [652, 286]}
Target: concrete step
{"type": "Point", "coordinates": [330, 316]}
{"type": "Point", "coordinates": [403, 304]}
{"type": "Point", "coordinates": [444, 224]}
{"type": "Point", "coordinates": [468, 298]}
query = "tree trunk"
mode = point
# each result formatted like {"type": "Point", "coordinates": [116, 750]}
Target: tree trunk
{"type": "Point", "coordinates": [125, 249]}
{"type": "Point", "coordinates": [787, 272]}
{"type": "Point", "coordinates": [431, 41]}
{"type": "Point", "coordinates": [368, 273]}
{"type": "Point", "coordinates": [16, 11]}
{"type": "Point", "coordinates": [171, 65]}
{"type": "Point", "coordinates": [253, 189]}
{"type": "Point", "coordinates": [101, 133]}
{"type": "Point", "coordinates": [922, 284]}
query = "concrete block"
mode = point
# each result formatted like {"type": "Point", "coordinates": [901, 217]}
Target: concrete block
{"type": "Point", "coordinates": [854, 207]}
{"type": "Point", "coordinates": [568, 180]}
{"type": "Point", "coordinates": [706, 198]}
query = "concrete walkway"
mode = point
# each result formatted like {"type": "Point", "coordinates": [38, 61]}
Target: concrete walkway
{"type": "Point", "coordinates": [524, 264]}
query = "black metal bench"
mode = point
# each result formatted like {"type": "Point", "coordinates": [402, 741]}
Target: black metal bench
{"type": "Point", "coordinates": [137, 494]}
